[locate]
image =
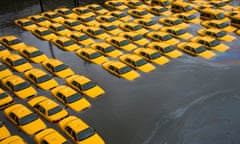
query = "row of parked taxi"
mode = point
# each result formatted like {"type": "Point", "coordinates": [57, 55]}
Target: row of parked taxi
{"type": "Point", "coordinates": [130, 25]}
{"type": "Point", "coordinates": [70, 96]}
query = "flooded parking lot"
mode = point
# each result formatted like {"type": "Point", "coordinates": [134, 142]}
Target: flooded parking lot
{"type": "Point", "coordinates": [188, 101]}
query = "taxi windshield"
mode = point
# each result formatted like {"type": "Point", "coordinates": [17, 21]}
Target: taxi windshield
{"type": "Point", "coordinates": [19, 62]}
{"type": "Point", "coordinates": [140, 62]}
{"type": "Point", "coordinates": [109, 49]}
{"type": "Point", "coordinates": [214, 43]}
{"type": "Point", "coordinates": [84, 134]}
{"type": "Point", "coordinates": [200, 49]}
{"type": "Point", "coordinates": [155, 55]}
{"type": "Point", "coordinates": [88, 85]}
{"type": "Point", "coordinates": [169, 49]}
{"type": "Point", "coordinates": [60, 67]}
{"type": "Point", "coordinates": [124, 70]}
{"type": "Point", "coordinates": [43, 78]}
{"type": "Point", "coordinates": [137, 37]}
{"type": "Point", "coordinates": [94, 55]}
{"type": "Point", "coordinates": [22, 86]}
{"type": "Point", "coordinates": [68, 43]}
{"type": "Point", "coordinates": [221, 34]}
{"type": "Point", "coordinates": [36, 53]}
{"type": "Point", "coordinates": [75, 97]}
{"type": "Point", "coordinates": [28, 119]}
{"type": "Point", "coordinates": [54, 110]}
{"type": "Point", "coordinates": [124, 42]}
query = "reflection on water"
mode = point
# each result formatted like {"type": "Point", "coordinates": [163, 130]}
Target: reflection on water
{"type": "Point", "coordinates": [188, 101]}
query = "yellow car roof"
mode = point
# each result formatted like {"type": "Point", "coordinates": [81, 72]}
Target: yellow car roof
{"type": "Point", "coordinates": [131, 34]}
{"type": "Point", "coordinates": [9, 37]}
{"type": "Point", "coordinates": [87, 50]}
{"type": "Point", "coordinates": [53, 62]}
{"type": "Point", "coordinates": [14, 79]}
{"type": "Point", "coordinates": [101, 44]}
{"type": "Point", "coordinates": [65, 90]}
{"type": "Point", "coordinates": [160, 33]}
{"type": "Point", "coordinates": [20, 110]}
{"type": "Point", "coordinates": [30, 49]}
{"type": "Point", "coordinates": [76, 33]}
{"type": "Point", "coordinates": [62, 38]}
{"type": "Point", "coordinates": [48, 103]}
{"type": "Point", "coordinates": [13, 57]}
{"type": "Point", "coordinates": [117, 64]}
{"type": "Point", "coordinates": [41, 29]}
{"type": "Point", "coordinates": [62, 9]}
{"type": "Point", "coordinates": [55, 25]}
{"type": "Point", "coordinates": [132, 57]}
{"type": "Point", "coordinates": [35, 16]}
{"type": "Point", "coordinates": [193, 45]}
{"type": "Point", "coordinates": [23, 20]}
{"type": "Point", "coordinates": [77, 124]}
{"type": "Point", "coordinates": [146, 50]}
{"type": "Point", "coordinates": [161, 44]}
{"type": "Point", "coordinates": [212, 11]}
{"type": "Point", "coordinates": [80, 79]}
{"type": "Point", "coordinates": [205, 38]}
{"type": "Point", "coordinates": [37, 72]}
{"type": "Point", "coordinates": [181, 3]}
{"type": "Point", "coordinates": [117, 38]}
{"type": "Point", "coordinates": [94, 5]}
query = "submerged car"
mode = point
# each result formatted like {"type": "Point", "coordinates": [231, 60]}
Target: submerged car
{"type": "Point", "coordinates": [121, 43]}
{"type": "Point", "coordinates": [50, 136]}
{"type": "Point", "coordinates": [165, 49]}
{"type": "Point", "coordinates": [108, 19]}
{"type": "Point", "coordinates": [121, 70]}
{"type": "Point", "coordinates": [187, 17]}
{"type": "Point", "coordinates": [85, 86]}
{"type": "Point", "coordinates": [81, 38]}
{"type": "Point", "coordinates": [116, 5]}
{"type": "Point", "coordinates": [210, 43]}
{"type": "Point", "coordinates": [135, 38]}
{"type": "Point", "coordinates": [196, 49]}
{"type": "Point", "coordinates": [133, 27]}
{"type": "Point", "coordinates": [79, 131]}
{"type": "Point", "coordinates": [177, 32]}
{"type": "Point", "coordinates": [73, 24]}
{"type": "Point", "coordinates": [65, 43]}
{"type": "Point", "coordinates": [173, 21]}
{"type": "Point", "coordinates": [137, 62]}
{"type": "Point", "coordinates": [140, 13]}
{"type": "Point", "coordinates": [95, 32]}
{"type": "Point", "coordinates": [33, 54]}
{"type": "Point", "coordinates": [41, 79]}
{"type": "Point", "coordinates": [83, 10]}
{"type": "Point", "coordinates": [98, 9]}
{"type": "Point", "coordinates": [12, 42]}
{"type": "Point", "coordinates": [159, 10]}
{"type": "Point", "coordinates": [216, 33]}
{"type": "Point", "coordinates": [218, 24]}
{"type": "Point", "coordinates": [40, 20]}
{"type": "Point", "coordinates": [25, 24]}
{"type": "Point", "coordinates": [70, 98]}
{"type": "Point", "coordinates": [91, 55]}
{"type": "Point", "coordinates": [110, 28]}
{"type": "Point", "coordinates": [44, 34]}
{"type": "Point", "coordinates": [148, 24]}
{"type": "Point", "coordinates": [3, 51]}
{"type": "Point", "coordinates": [66, 12]}
{"type": "Point", "coordinates": [160, 36]}
{"type": "Point", "coordinates": [57, 68]}
{"type": "Point", "coordinates": [4, 71]}
{"type": "Point", "coordinates": [106, 49]}
{"type": "Point", "coordinates": [4, 132]}
{"type": "Point", "coordinates": [120, 16]}
{"type": "Point", "coordinates": [59, 29]}
{"type": "Point", "coordinates": [48, 108]}
{"type": "Point", "coordinates": [87, 20]}
{"type": "Point", "coordinates": [16, 62]}
{"type": "Point", "coordinates": [5, 101]}
{"type": "Point", "coordinates": [151, 55]}
{"type": "Point", "coordinates": [53, 16]}
{"type": "Point", "coordinates": [135, 4]}
{"type": "Point", "coordinates": [20, 87]}
{"type": "Point", "coordinates": [24, 119]}
{"type": "Point", "coordinates": [13, 139]}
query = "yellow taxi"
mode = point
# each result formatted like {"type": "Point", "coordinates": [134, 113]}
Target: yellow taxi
{"type": "Point", "coordinates": [3, 51]}
{"type": "Point", "coordinates": [98, 9]}
{"type": "Point", "coordinates": [164, 3]}
{"type": "Point", "coordinates": [182, 7]}
{"type": "Point", "coordinates": [187, 17]}
{"type": "Point", "coordinates": [14, 139]}
{"type": "Point", "coordinates": [66, 12]}
{"type": "Point", "coordinates": [5, 101]}
{"type": "Point", "coordinates": [85, 86]}
{"type": "Point", "coordinates": [235, 21]}
{"type": "Point", "coordinates": [162, 36]}
{"type": "Point", "coordinates": [48, 108]}
{"type": "Point", "coordinates": [33, 54]}
{"type": "Point", "coordinates": [133, 27]}
{"type": "Point", "coordinates": [65, 43]}
{"type": "Point", "coordinates": [91, 55]}
{"type": "Point", "coordinates": [135, 38]}
{"type": "Point", "coordinates": [24, 119]}
{"type": "Point", "coordinates": [106, 49]}
{"type": "Point", "coordinates": [39, 20]}
{"type": "Point", "coordinates": [148, 24]}
{"type": "Point", "coordinates": [4, 132]}
{"type": "Point", "coordinates": [177, 32]}
{"type": "Point", "coordinates": [83, 10]}
{"type": "Point", "coordinates": [210, 43]}
{"type": "Point", "coordinates": [50, 136]}
{"type": "Point", "coordinates": [16, 62]}
{"type": "Point", "coordinates": [95, 32]}
{"type": "Point", "coordinates": [53, 16]}
{"type": "Point", "coordinates": [87, 20]}
{"type": "Point", "coordinates": [173, 21]}
{"type": "Point", "coordinates": [110, 28]}
{"type": "Point", "coordinates": [135, 4]}
{"type": "Point", "coordinates": [218, 24]}
{"type": "Point", "coordinates": [25, 24]}
{"type": "Point", "coordinates": [4, 71]}
{"type": "Point", "coordinates": [151, 55]}
{"type": "Point", "coordinates": [115, 5]}
{"type": "Point", "coordinates": [120, 16]}
{"type": "Point", "coordinates": [201, 6]}
{"type": "Point", "coordinates": [159, 10]}
{"type": "Point", "coordinates": [238, 32]}
{"type": "Point", "coordinates": [232, 13]}
{"type": "Point", "coordinates": [57, 68]}
{"type": "Point", "coordinates": [216, 33]}
{"type": "Point", "coordinates": [73, 24]}
{"type": "Point", "coordinates": [20, 87]}
{"type": "Point", "coordinates": [59, 29]}
{"type": "Point", "coordinates": [221, 4]}
{"type": "Point", "coordinates": [121, 43]}
{"type": "Point", "coordinates": [12, 42]}
{"type": "Point", "coordinates": [41, 79]}
{"type": "Point", "coordinates": [137, 62]}
{"type": "Point", "coordinates": [44, 34]}
{"type": "Point", "coordinates": [213, 14]}
{"type": "Point", "coordinates": [81, 38]}
{"type": "Point", "coordinates": [70, 98]}
{"type": "Point", "coordinates": [196, 49]}
{"type": "Point", "coordinates": [120, 70]}
{"type": "Point", "coordinates": [79, 131]}
{"type": "Point", "coordinates": [165, 49]}
{"type": "Point", "coordinates": [108, 19]}
{"type": "Point", "coordinates": [140, 13]}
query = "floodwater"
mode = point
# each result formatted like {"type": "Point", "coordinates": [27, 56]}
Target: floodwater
{"type": "Point", "coordinates": [188, 101]}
